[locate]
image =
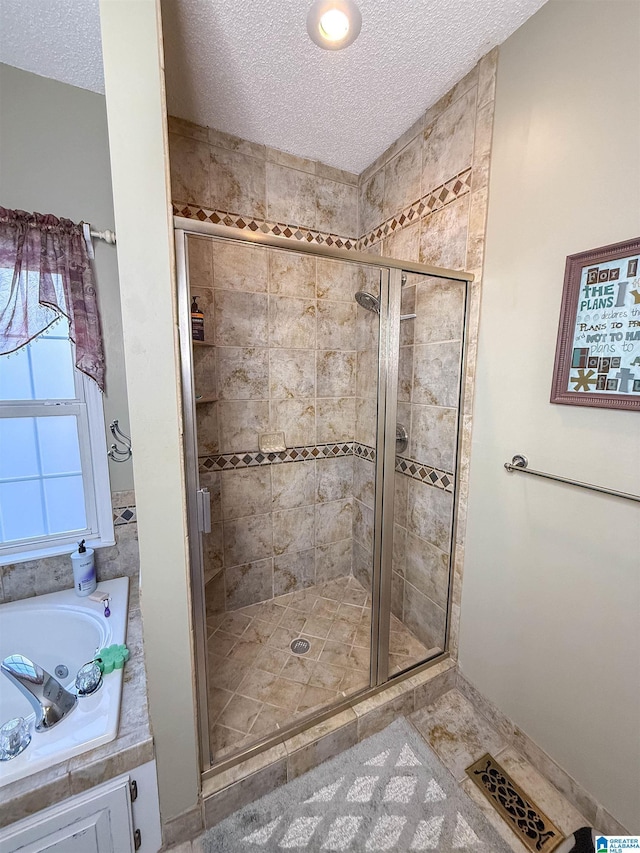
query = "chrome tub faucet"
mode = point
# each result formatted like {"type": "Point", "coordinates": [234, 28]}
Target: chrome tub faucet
{"type": "Point", "coordinates": [49, 699]}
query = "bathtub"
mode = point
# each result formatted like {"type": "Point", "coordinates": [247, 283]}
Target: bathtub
{"type": "Point", "coordinates": [63, 630]}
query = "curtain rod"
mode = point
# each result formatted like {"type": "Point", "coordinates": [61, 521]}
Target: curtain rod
{"type": "Point", "coordinates": [107, 236]}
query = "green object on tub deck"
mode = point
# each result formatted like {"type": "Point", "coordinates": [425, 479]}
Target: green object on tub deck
{"type": "Point", "coordinates": [112, 657]}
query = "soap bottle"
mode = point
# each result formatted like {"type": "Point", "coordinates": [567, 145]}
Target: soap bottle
{"type": "Point", "coordinates": [197, 321]}
{"type": "Point", "coordinates": [84, 570]}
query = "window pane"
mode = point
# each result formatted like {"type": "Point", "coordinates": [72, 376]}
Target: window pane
{"type": "Point", "coordinates": [52, 369]}
{"type": "Point", "coordinates": [18, 449]}
{"type": "Point", "coordinates": [32, 452]}
{"type": "Point", "coordinates": [64, 497]}
{"type": "Point", "coordinates": [15, 376]}
{"type": "Point", "coordinates": [59, 446]}
{"type": "Point", "coordinates": [21, 510]}
{"type": "Point", "coordinates": [42, 370]}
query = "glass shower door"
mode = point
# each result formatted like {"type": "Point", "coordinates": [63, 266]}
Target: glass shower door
{"type": "Point", "coordinates": [417, 532]}
{"type": "Point", "coordinates": [321, 420]}
{"type": "Point", "coordinates": [285, 391]}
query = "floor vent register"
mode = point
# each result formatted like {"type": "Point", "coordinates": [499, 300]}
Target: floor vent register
{"type": "Point", "coordinates": [527, 821]}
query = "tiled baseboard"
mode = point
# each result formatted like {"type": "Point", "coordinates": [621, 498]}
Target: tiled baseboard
{"type": "Point", "coordinates": [595, 813]}
{"type": "Point", "coordinates": [184, 827]}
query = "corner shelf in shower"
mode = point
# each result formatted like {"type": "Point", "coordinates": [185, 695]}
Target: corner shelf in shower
{"type": "Point", "coordinates": [202, 343]}
{"type": "Point", "coordinates": [205, 399]}
{"type": "Point", "coordinates": [211, 574]}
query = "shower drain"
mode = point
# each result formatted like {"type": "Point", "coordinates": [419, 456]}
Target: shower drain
{"type": "Point", "coordinates": [300, 646]}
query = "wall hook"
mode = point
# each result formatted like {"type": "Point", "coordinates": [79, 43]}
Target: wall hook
{"type": "Point", "coordinates": [117, 453]}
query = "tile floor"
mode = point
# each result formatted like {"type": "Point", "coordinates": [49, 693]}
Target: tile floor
{"type": "Point", "coordinates": [258, 685]}
{"type": "Point", "coordinates": [460, 735]}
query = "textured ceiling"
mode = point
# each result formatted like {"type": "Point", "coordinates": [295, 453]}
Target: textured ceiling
{"type": "Point", "coordinates": [249, 67]}
{"type": "Point", "coordinates": [54, 38]}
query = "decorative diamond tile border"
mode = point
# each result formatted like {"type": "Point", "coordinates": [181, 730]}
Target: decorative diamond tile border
{"type": "Point", "coordinates": [250, 459]}
{"type": "Point", "coordinates": [124, 515]}
{"type": "Point", "coordinates": [364, 451]}
{"type": "Point", "coordinates": [429, 203]}
{"type": "Point", "coordinates": [275, 229]}
{"type": "Point", "coordinates": [416, 470]}
{"type": "Point", "coordinates": [226, 461]}
{"type": "Point", "coordinates": [425, 473]}
{"type": "Point", "coordinates": [435, 199]}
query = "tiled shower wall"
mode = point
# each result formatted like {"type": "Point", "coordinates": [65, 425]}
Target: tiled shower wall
{"type": "Point", "coordinates": [365, 435]}
{"type": "Point", "coordinates": [218, 172]}
{"type": "Point", "coordinates": [278, 528]}
{"type": "Point", "coordinates": [424, 199]}
{"type": "Point", "coordinates": [283, 359]}
{"type": "Point", "coordinates": [284, 328]}
{"type": "Point", "coordinates": [428, 391]}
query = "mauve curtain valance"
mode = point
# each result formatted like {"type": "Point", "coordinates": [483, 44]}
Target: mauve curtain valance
{"type": "Point", "coordinates": [45, 272]}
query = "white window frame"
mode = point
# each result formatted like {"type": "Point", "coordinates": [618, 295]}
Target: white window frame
{"type": "Point", "coordinates": [89, 410]}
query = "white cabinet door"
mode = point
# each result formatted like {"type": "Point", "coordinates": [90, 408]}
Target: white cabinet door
{"type": "Point", "coordinates": [90, 834]}
{"type": "Point", "coordinates": [96, 822]}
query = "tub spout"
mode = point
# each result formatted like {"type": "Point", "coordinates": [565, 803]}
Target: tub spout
{"type": "Point", "coordinates": [49, 699]}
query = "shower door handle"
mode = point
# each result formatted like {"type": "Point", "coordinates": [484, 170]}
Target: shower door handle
{"type": "Point", "coordinates": [203, 501]}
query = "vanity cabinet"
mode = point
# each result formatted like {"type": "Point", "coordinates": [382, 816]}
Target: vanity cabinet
{"type": "Point", "coordinates": [119, 816]}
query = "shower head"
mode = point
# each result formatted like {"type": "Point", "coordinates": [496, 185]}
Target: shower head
{"type": "Point", "coordinates": [366, 300]}
{"type": "Point", "coordinates": [372, 303]}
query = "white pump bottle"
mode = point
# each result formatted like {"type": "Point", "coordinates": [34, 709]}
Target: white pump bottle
{"type": "Point", "coordinates": [84, 570]}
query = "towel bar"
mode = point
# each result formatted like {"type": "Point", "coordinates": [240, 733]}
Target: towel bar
{"type": "Point", "coordinates": [520, 463]}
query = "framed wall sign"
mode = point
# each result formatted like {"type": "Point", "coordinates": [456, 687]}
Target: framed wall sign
{"type": "Point", "coordinates": [598, 349]}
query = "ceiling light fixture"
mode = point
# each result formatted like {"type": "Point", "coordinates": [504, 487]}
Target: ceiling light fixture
{"type": "Point", "coordinates": [334, 24]}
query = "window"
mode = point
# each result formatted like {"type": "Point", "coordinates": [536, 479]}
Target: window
{"type": "Point", "coordinates": [54, 480]}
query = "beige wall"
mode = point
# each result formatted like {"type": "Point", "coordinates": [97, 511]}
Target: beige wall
{"type": "Point", "coordinates": [131, 49]}
{"type": "Point", "coordinates": [550, 629]}
{"type": "Point", "coordinates": [54, 158]}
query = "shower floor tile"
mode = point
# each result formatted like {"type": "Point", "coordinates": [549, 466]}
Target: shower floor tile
{"type": "Point", "coordinates": [258, 685]}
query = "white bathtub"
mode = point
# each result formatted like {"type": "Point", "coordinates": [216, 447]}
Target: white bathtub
{"type": "Point", "coordinates": [62, 629]}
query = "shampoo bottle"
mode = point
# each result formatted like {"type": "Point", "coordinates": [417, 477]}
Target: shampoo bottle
{"type": "Point", "coordinates": [197, 321]}
{"type": "Point", "coordinates": [84, 570]}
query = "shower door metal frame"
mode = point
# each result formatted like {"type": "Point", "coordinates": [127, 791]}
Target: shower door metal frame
{"type": "Point", "coordinates": [388, 356]}
{"type": "Point", "coordinates": [192, 484]}
{"type": "Point", "coordinates": [387, 413]}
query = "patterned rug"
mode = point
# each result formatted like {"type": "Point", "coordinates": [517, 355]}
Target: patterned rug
{"type": "Point", "coordinates": [389, 792]}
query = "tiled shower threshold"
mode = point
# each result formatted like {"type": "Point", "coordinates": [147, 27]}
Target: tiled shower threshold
{"type": "Point", "coordinates": [239, 781]}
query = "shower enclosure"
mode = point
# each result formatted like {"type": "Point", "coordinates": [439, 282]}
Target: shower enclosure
{"type": "Point", "coordinates": [322, 418]}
